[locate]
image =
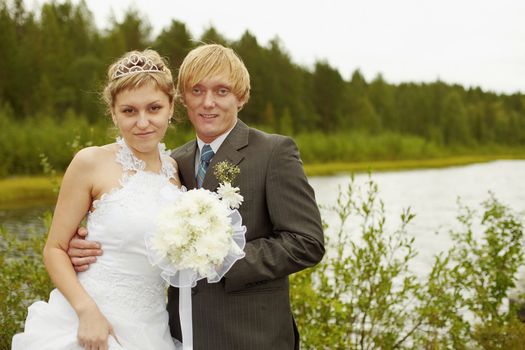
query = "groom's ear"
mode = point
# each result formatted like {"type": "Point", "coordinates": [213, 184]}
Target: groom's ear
{"type": "Point", "coordinates": [240, 104]}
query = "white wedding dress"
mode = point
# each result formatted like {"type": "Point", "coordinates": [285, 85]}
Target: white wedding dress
{"type": "Point", "coordinates": [125, 286]}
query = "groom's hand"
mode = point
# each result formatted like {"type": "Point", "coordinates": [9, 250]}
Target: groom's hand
{"type": "Point", "coordinates": [83, 252]}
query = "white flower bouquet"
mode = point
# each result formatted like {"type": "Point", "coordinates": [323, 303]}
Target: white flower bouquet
{"type": "Point", "coordinates": [198, 235]}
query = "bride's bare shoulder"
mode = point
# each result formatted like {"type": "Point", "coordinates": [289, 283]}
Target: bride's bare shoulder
{"type": "Point", "coordinates": [95, 155]}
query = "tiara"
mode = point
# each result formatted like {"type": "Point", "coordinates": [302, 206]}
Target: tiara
{"type": "Point", "coordinates": [135, 63]}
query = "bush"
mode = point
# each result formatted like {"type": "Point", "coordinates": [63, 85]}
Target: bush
{"type": "Point", "coordinates": [22, 141]}
{"type": "Point", "coordinates": [317, 147]}
{"type": "Point", "coordinates": [364, 295]}
{"type": "Point", "coordinates": [24, 280]}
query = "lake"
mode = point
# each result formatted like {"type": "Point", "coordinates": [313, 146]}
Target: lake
{"type": "Point", "coordinates": [431, 193]}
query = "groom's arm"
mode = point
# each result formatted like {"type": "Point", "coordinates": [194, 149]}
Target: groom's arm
{"type": "Point", "coordinates": [297, 239]}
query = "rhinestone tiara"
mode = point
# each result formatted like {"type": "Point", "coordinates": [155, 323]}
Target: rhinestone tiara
{"type": "Point", "coordinates": [135, 63]}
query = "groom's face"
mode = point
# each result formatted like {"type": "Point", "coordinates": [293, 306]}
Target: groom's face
{"type": "Point", "coordinates": [212, 107]}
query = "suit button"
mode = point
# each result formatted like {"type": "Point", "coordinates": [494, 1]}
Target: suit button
{"type": "Point", "coordinates": [194, 291]}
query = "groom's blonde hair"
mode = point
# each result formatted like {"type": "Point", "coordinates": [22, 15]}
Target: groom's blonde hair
{"type": "Point", "coordinates": [210, 60]}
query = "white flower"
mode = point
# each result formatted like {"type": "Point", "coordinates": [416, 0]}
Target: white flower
{"type": "Point", "coordinates": [199, 234]}
{"type": "Point", "coordinates": [230, 195]}
{"type": "Point", "coordinates": [195, 232]}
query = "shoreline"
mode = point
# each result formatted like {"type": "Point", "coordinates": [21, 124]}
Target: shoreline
{"type": "Point", "coordinates": [334, 168]}
{"type": "Point", "coordinates": [23, 191]}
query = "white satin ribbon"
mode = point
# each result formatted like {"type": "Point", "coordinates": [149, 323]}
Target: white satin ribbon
{"type": "Point", "coordinates": [184, 279]}
{"type": "Point", "coordinates": [185, 318]}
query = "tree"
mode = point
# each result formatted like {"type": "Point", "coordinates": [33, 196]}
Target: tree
{"type": "Point", "coordinates": [455, 124]}
{"type": "Point", "coordinates": [212, 36]}
{"type": "Point", "coordinates": [382, 98]}
{"type": "Point", "coordinates": [328, 88]}
{"type": "Point", "coordinates": [286, 123]}
{"type": "Point", "coordinates": [254, 58]}
{"type": "Point", "coordinates": [8, 43]}
{"type": "Point", "coordinates": [174, 42]}
{"type": "Point", "coordinates": [269, 116]}
{"type": "Point", "coordinates": [133, 33]}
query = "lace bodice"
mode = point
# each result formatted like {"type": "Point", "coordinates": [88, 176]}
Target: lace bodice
{"type": "Point", "coordinates": [122, 280]}
{"type": "Point", "coordinates": [130, 163]}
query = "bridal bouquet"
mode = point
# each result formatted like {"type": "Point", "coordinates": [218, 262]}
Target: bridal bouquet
{"type": "Point", "coordinates": [200, 233]}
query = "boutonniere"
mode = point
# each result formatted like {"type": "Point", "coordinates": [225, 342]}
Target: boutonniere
{"type": "Point", "coordinates": [226, 172]}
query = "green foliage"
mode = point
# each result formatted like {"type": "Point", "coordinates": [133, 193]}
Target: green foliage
{"type": "Point", "coordinates": [57, 61]}
{"type": "Point", "coordinates": [328, 89]}
{"type": "Point", "coordinates": [360, 296]}
{"type": "Point", "coordinates": [317, 147]}
{"type": "Point", "coordinates": [174, 43]}
{"type": "Point", "coordinates": [364, 295]}
{"type": "Point", "coordinates": [50, 172]}
{"type": "Point", "coordinates": [488, 264]}
{"type": "Point", "coordinates": [40, 144]}
{"type": "Point", "coordinates": [286, 123]}
{"type": "Point", "coordinates": [376, 298]}
{"type": "Point", "coordinates": [23, 140]}
{"type": "Point", "coordinates": [226, 172]}
{"type": "Point", "coordinates": [24, 280]}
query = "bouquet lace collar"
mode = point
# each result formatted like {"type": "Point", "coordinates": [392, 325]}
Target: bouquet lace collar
{"type": "Point", "coordinates": [130, 163]}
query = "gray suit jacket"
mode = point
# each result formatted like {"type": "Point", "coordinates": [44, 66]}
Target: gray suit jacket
{"type": "Point", "coordinates": [249, 309]}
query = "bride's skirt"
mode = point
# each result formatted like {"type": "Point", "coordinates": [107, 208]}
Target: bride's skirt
{"type": "Point", "coordinates": [53, 326]}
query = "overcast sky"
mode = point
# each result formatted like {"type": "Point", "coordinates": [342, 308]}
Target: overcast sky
{"type": "Point", "coordinates": [470, 42]}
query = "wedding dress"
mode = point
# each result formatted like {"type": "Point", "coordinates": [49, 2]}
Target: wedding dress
{"type": "Point", "coordinates": [127, 289]}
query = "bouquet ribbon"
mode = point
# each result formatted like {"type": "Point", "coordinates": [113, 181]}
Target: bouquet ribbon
{"type": "Point", "coordinates": [185, 311]}
{"type": "Point", "coordinates": [183, 277]}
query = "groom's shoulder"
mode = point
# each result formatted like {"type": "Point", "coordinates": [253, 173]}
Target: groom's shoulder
{"type": "Point", "coordinates": [258, 136]}
{"type": "Point", "coordinates": [177, 152]}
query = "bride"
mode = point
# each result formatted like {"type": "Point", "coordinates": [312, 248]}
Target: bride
{"type": "Point", "coordinates": [119, 303]}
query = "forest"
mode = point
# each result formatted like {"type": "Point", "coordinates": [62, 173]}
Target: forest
{"type": "Point", "coordinates": [53, 63]}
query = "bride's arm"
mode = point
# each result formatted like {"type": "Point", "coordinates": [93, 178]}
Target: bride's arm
{"type": "Point", "coordinates": [74, 201]}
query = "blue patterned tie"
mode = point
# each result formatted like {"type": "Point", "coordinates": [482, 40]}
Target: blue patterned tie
{"type": "Point", "coordinates": [206, 156]}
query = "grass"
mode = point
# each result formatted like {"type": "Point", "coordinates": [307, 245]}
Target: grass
{"type": "Point", "coordinates": [332, 168]}
{"type": "Point", "coordinates": [20, 191]}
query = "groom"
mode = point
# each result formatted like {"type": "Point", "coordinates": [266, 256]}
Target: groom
{"type": "Point", "coordinates": [249, 309]}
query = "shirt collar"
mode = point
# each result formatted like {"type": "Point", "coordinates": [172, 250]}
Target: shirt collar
{"type": "Point", "coordinates": [215, 144]}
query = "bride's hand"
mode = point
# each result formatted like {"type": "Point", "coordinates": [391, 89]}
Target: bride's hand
{"type": "Point", "coordinates": [94, 330]}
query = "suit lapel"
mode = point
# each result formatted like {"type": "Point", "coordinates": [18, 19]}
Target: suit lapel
{"type": "Point", "coordinates": [228, 151]}
{"type": "Point", "coordinates": [187, 165]}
